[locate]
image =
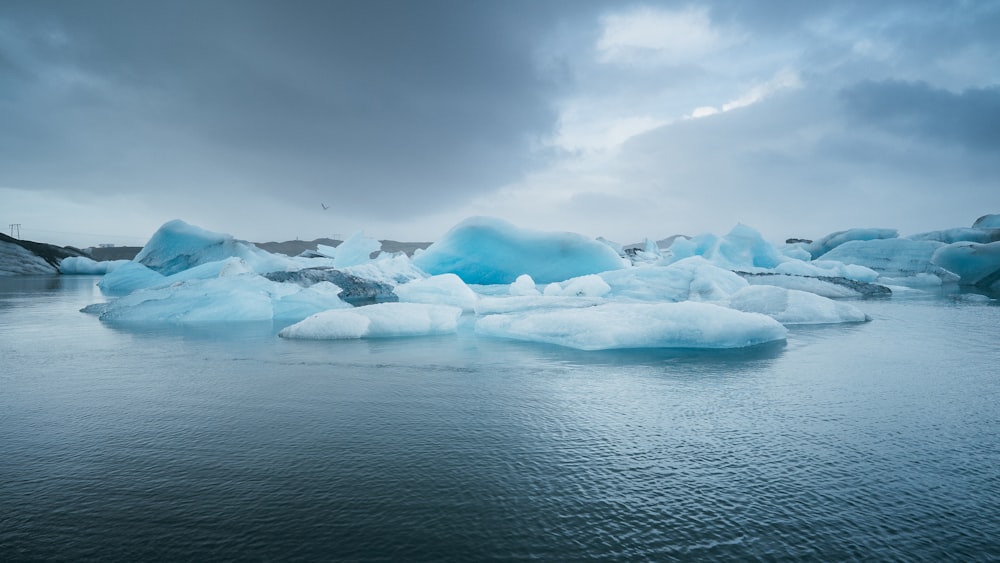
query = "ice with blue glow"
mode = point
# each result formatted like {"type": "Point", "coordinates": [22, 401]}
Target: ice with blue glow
{"type": "Point", "coordinates": [178, 246]}
{"type": "Point", "coordinates": [81, 265]}
{"type": "Point", "coordinates": [484, 250]}
{"type": "Point", "coordinates": [975, 264]}
{"type": "Point", "coordinates": [709, 291]}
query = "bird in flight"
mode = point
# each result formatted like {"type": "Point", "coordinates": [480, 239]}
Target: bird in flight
{"type": "Point", "coordinates": [325, 206]}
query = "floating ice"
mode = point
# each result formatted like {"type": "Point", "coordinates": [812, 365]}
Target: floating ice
{"type": "Point", "coordinates": [743, 247]}
{"type": "Point", "coordinates": [130, 277]}
{"type": "Point", "coordinates": [524, 285]}
{"type": "Point", "coordinates": [377, 321]}
{"type": "Point", "coordinates": [833, 240]}
{"type": "Point", "coordinates": [825, 286]}
{"type": "Point", "coordinates": [178, 246]}
{"type": "Point", "coordinates": [789, 306]}
{"type": "Point", "coordinates": [893, 258]}
{"type": "Point", "coordinates": [484, 250]}
{"type": "Point", "coordinates": [83, 266]}
{"type": "Point", "coordinates": [987, 222]}
{"type": "Point", "coordinates": [228, 298]}
{"type": "Point", "coordinates": [357, 249]}
{"type": "Point", "coordinates": [692, 279]}
{"type": "Point", "coordinates": [975, 264]}
{"type": "Point", "coordinates": [949, 236]}
{"type": "Point", "coordinates": [444, 289]}
{"type": "Point", "coordinates": [637, 325]}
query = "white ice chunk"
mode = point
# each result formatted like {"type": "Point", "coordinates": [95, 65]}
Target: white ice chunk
{"type": "Point", "coordinates": [692, 278]}
{"type": "Point", "coordinates": [377, 321]}
{"type": "Point", "coordinates": [637, 325]}
{"type": "Point", "coordinates": [524, 285]}
{"type": "Point", "coordinates": [444, 289]}
{"type": "Point", "coordinates": [357, 249]}
{"type": "Point", "coordinates": [520, 303]}
{"type": "Point", "coordinates": [808, 284]}
{"type": "Point", "coordinates": [586, 286]}
{"type": "Point", "coordinates": [483, 250]}
{"type": "Point", "coordinates": [391, 269]}
{"type": "Point", "coordinates": [789, 306]}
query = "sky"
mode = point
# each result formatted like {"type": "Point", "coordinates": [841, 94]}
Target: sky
{"type": "Point", "coordinates": [627, 120]}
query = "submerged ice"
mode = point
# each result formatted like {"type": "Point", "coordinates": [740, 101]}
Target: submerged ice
{"type": "Point", "coordinates": [708, 291]}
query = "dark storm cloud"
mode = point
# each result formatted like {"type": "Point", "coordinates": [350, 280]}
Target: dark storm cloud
{"type": "Point", "coordinates": [399, 104]}
{"type": "Point", "coordinates": [970, 118]}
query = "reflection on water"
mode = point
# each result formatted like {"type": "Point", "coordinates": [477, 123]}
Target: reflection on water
{"type": "Point", "coordinates": [871, 441]}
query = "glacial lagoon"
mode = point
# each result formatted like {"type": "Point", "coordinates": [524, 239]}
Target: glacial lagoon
{"type": "Point", "coordinates": [868, 441]}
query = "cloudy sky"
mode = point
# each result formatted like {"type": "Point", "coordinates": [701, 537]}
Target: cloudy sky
{"type": "Point", "coordinates": [616, 119]}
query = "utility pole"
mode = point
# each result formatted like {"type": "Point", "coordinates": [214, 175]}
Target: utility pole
{"type": "Point", "coordinates": [15, 227]}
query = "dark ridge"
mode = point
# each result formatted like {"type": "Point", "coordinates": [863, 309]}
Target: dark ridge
{"type": "Point", "coordinates": [48, 252]}
{"type": "Point", "coordinates": [354, 290]}
{"type": "Point", "coordinates": [296, 247]}
{"type": "Point", "coordinates": [864, 288]}
{"type": "Point", "coordinates": [102, 253]}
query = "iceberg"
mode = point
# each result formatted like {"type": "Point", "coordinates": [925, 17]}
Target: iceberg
{"type": "Point", "coordinates": [893, 258]}
{"type": "Point", "coordinates": [382, 320]}
{"type": "Point", "coordinates": [83, 266]}
{"type": "Point", "coordinates": [637, 325]}
{"type": "Point", "coordinates": [690, 279]}
{"type": "Point", "coordinates": [790, 306]}
{"type": "Point", "coordinates": [742, 247]}
{"type": "Point", "coordinates": [833, 240]}
{"type": "Point", "coordinates": [354, 289]}
{"type": "Point", "coordinates": [975, 264]}
{"type": "Point", "coordinates": [241, 297]}
{"type": "Point", "coordinates": [991, 221]}
{"type": "Point", "coordinates": [357, 249]}
{"type": "Point", "coordinates": [178, 246]}
{"type": "Point", "coordinates": [484, 250]}
{"type": "Point", "coordinates": [443, 289]}
{"type": "Point", "coordinates": [709, 291]}
{"type": "Point", "coordinates": [834, 287]}
{"type": "Point", "coordinates": [949, 236]}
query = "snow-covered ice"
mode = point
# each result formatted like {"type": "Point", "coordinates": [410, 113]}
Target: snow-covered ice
{"type": "Point", "coordinates": [637, 325]}
{"type": "Point", "coordinates": [443, 289]}
{"type": "Point", "coordinates": [377, 321]}
{"type": "Point", "coordinates": [790, 306]}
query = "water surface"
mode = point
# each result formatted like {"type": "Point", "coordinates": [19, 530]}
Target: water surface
{"type": "Point", "coordinates": [871, 441]}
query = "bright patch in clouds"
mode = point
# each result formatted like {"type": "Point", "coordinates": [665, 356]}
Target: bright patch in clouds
{"type": "Point", "coordinates": [649, 35]}
{"type": "Point", "coordinates": [784, 80]}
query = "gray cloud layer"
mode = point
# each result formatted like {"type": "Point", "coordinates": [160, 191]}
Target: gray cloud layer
{"type": "Point", "coordinates": [401, 103]}
{"type": "Point", "coordinates": [395, 110]}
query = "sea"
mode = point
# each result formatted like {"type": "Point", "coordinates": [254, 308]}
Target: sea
{"type": "Point", "coordinates": [877, 441]}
